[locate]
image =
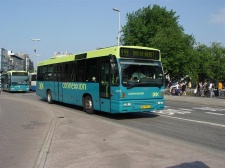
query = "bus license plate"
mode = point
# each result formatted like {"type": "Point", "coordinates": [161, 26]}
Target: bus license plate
{"type": "Point", "coordinates": [145, 106]}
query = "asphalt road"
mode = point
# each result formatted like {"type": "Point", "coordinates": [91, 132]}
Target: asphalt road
{"type": "Point", "coordinates": [24, 125]}
{"type": "Point", "coordinates": [198, 125]}
{"type": "Point", "coordinates": [47, 135]}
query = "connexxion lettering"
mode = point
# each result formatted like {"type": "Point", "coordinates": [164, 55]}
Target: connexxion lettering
{"type": "Point", "coordinates": [136, 93]}
{"type": "Point", "coordinates": [76, 86]}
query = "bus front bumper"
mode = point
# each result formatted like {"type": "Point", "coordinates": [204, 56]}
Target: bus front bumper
{"type": "Point", "coordinates": [137, 106]}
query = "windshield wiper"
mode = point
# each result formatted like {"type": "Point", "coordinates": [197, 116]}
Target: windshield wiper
{"type": "Point", "coordinates": [135, 84]}
{"type": "Point", "coordinates": [14, 83]}
{"type": "Point", "coordinates": [149, 83]}
{"type": "Point", "coordinates": [156, 83]}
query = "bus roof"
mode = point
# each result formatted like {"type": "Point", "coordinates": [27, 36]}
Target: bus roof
{"type": "Point", "coordinates": [90, 54]}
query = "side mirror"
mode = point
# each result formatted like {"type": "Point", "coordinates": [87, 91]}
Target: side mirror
{"type": "Point", "coordinates": [112, 63]}
{"type": "Point", "coordinates": [112, 58]}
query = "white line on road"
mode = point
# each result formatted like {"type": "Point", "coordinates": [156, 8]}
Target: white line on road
{"type": "Point", "coordinates": [215, 113]}
{"type": "Point", "coordinates": [202, 122]}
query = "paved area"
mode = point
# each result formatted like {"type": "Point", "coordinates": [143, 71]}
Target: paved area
{"type": "Point", "coordinates": [212, 101]}
{"type": "Point", "coordinates": [84, 141]}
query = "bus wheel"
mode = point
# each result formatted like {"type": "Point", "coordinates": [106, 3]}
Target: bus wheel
{"type": "Point", "coordinates": [88, 105]}
{"type": "Point", "coordinates": [49, 97]}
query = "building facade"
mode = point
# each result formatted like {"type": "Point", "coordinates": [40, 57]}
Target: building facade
{"type": "Point", "coordinates": [27, 63]}
{"type": "Point", "coordinates": [4, 60]}
{"type": "Point", "coordinates": [11, 61]}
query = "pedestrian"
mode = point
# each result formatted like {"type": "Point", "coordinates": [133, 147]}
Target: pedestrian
{"type": "Point", "coordinates": [220, 86]}
{"type": "Point", "coordinates": [205, 89]}
{"type": "Point", "coordinates": [183, 88]}
{"type": "Point", "coordinates": [170, 84]}
{"type": "Point", "coordinates": [199, 89]}
{"type": "Point", "coordinates": [211, 89]}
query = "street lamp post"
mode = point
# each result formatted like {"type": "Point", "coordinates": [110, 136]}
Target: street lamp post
{"type": "Point", "coordinates": [117, 10]}
{"type": "Point", "coordinates": [35, 52]}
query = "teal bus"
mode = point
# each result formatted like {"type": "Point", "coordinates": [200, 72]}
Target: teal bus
{"type": "Point", "coordinates": [101, 80]}
{"type": "Point", "coordinates": [15, 81]}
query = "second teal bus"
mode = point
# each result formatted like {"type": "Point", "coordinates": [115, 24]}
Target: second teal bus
{"type": "Point", "coordinates": [15, 81]}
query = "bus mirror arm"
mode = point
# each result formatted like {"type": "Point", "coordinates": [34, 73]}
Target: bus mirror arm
{"type": "Point", "coordinates": [112, 58]}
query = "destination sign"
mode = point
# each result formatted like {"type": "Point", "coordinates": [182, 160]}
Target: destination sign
{"type": "Point", "coordinates": [20, 73]}
{"type": "Point", "coordinates": [81, 56]}
{"type": "Point", "coordinates": [139, 53]}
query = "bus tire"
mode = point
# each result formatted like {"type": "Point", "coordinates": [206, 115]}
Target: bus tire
{"type": "Point", "coordinates": [49, 97]}
{"type": "Point", "coordinates": [88, 105]}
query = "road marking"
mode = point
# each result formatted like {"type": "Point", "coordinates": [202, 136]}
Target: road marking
{"type": "Point", "coordinates": [215, 113]}
{"type": "Point", "coordinates": [208, 109]}
{"type": "Point", "coordinates": [186, 109]}
{"type": "Point", "coordinates": [170, 111]}
{"type": "Point", "coordinates": [196, 121]}
{"type": "Point", "coordinates": [175, 111]}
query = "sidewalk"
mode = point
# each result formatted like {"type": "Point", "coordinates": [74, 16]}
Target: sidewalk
{"type": "Point", "coordinates": [85, 141]}
{"type": "Point", "coordinates": [212, 101]}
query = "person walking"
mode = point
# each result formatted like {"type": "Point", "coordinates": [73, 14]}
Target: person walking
{"type": "Point", "coordinates": [220, 86]}
{"type": "Point", "coordinates": [199, 89]}
{"type": "Point", "coordinates": [205, 89]}
{"type": "Point", "coordinates": [183, 88]}
{"type": "Point", "coordinates": [170, 84]}
{"type": "Point", "coordinates": [211, 89]}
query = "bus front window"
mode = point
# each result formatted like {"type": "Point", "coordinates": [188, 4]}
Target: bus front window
{"type": "Point", "coordinates": [142, 73]}
{"type": "Point", "coordinates": [15, 80]}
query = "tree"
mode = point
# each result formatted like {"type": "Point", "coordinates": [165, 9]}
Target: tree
{"type": "Point", "coordinates": [218, 54]}
{"type": "Point", "coordinates": [211, 62]}
{"type": "Point", "coordinates": [156, 27]}
{"type": "Point", "coordinates": [204, 63]}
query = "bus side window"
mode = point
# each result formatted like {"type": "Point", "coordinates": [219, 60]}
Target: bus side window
{"type": "Point", "coordinates": [68, 70]}
{"type": "Point", "coordinates": [91, 70]}
{"type": "Point", "coordinates": [80, 71]}
{"type": "Point", "coordinates": [114, 74]}
{"type": "Point", "coordinates": [79, 78]}
{"type": "Point", "coordinates": [105, 73]}
{"type": "Point", "coordinates": [49, 73]}
{"type": "Point", "coordinates": [40, 73]}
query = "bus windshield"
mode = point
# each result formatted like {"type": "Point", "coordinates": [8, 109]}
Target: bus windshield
{"type": "Point", "coordinates": [137, 73]}
{"type": "Point", "coordinates": [18, 80]}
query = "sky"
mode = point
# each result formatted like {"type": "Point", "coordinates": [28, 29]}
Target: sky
{"type": "Point", "coordinates": [78, 26]}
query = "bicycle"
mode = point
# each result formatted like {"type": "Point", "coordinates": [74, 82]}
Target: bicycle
{"type": "Point", "coordinates": [222, 93]}
{"type": "Point", "coordinates": [206, 93]}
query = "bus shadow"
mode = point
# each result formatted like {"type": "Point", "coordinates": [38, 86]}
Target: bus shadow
{"type": "Point", "coordinates": [195, 164]}
{"type": "Point", "coordinates": [126, 116]}
{"type": "Point", "coordinates": [120, 116]}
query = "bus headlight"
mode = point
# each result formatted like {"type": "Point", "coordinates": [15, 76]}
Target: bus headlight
{"type": "Point", "coordinates": [127, 104]}
{"type": "Point", "coordinates": [159, 102]}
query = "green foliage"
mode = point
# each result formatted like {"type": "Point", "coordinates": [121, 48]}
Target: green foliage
{"type": "Point", "coordinates": [154, 26]}
{"type": "Point", "coordinates": [211, 64]}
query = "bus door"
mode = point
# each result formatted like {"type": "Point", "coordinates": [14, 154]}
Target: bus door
{"type": "Point", "coordinates": [57, 86]}
{"type": "Point", "coordinates": [105, 85]}
{"type": "Point", "coordinates": [60, 80]}
{"type": "Point", "coordinates": [58, 89]}
{"type": "Point", "coordinates": [9, 84]}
